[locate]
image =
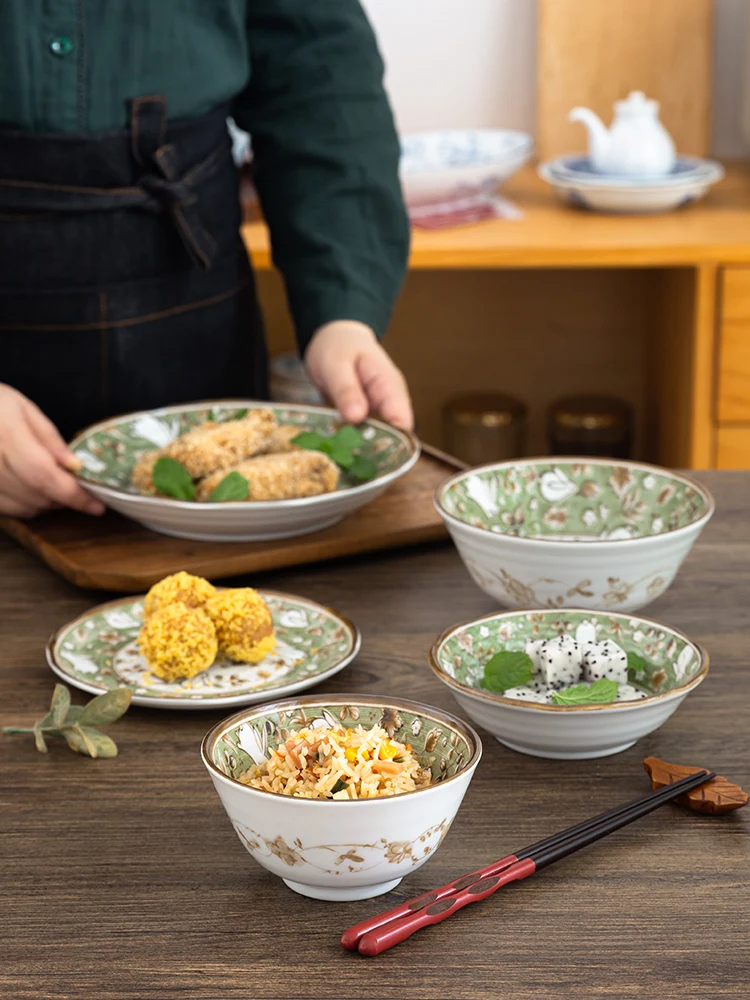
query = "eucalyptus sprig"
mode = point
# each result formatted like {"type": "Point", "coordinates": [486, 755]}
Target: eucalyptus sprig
{"type": "Point", "coordinates": [76, 723]}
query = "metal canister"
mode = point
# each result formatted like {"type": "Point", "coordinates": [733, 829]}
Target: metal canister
{"type": "Point", "coordinates": [289, 382]}
{"type": "Point", "coordinates": [600, 426]}
{"type": "Point", "coordinates": [484, 427]}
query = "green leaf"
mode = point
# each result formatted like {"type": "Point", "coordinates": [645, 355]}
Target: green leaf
{"type": "Point", "coordinates": [105, 708]}
{"type": "Point", "coordinates": [60, 704]}
{"type": "Point", "coordinates": [85, 740]}
{"type": "Point", "coordinates": [171, 478]}
{"type": "Point", "coordinates": [39, 738]}
{"type": "Point", "coordinates": [601, 691]}
{"type": "Point", "coordinates": [211, 418]}
{"type": "Point", "coordinates": [241, 414]}
{"type": "Point", "coordinates": [308, 440]}
{"type": "Point", "coordinates": [339, 786]}
{"type": "Point", "coordinates": [362, 468]}
{"type": "Point", "coordinates": [340, 454]}
{"type": "Point", "coordinates": [348, 437]}
{"type": "Point", "coordinates": [507, 669]}
{"type": "Point", "coordinates": [74, 714]}
{"type": "Point", "coordinates": [233, 486]}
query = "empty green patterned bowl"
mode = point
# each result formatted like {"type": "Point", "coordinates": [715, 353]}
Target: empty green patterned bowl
{"type": "Point", "coordinates": [552, 532]}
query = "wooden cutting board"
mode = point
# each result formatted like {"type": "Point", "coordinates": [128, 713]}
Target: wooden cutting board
{"type": "Point", "coordinates": [594, 52]}
{"type": "Point", "coordinates": [113, 553]}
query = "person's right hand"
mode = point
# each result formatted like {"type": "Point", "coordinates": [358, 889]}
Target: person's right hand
{"type": "Point", "coordinates": [33, 460]}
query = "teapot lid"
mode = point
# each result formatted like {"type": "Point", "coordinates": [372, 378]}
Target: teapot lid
{"type": "Point", "coordinates": [637, 104]}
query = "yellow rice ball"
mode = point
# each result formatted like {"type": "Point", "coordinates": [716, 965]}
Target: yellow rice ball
{"type": "Point", "coordinates": [178, 642]}
{"type": "Point", "coordinates": [243, 622]}
{"type": "Point", "coordinates": [180, 588]}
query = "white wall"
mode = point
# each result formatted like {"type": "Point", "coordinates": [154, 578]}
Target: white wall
{"type": "Point", "coordinates": [455, 63]}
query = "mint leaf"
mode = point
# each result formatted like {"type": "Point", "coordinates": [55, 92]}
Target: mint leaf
{"type": "Point", "coordinates": [598, 693]}
{"type": "Point", "coordinates": [105, 708]}
{"type": "Point", "coordinates": [340, 454]}
{"type": "Point", "coordinates": [60, 704]}
{"type": "Point", "coordinates": [348, 437]}
{"type": "Point", "coordinates": [308, 440]}
{"type": "Point", "coordinates": [211, 417]}
{"type": "Point", "coordinates": [362, 468]}
{"type": "Point", "coordinates": [233, 486]}
{"type": "Point", "coordinates": [241, 414]}
{"type": "Point", "coordinates": [507, 669]}
{"type": "Point", "coordinates": [171, 478]}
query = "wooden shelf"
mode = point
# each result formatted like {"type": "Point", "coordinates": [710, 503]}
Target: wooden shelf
{"type": "Point", "coordinates": [550, 234]}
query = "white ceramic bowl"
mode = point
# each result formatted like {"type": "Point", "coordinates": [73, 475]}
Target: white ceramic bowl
{"type": "Point", "coordinates": [587, 189]}
{"type": "Point", "coordinates": [559, 731]}
{"type": "Point", "coordinates": [352, 849]}
{"type": "Point", "coordinates": [549, 532]}
{"type": "Point", "coordinates": [439, 166]}
{"type": "Point", "coordinates": [109, 449]}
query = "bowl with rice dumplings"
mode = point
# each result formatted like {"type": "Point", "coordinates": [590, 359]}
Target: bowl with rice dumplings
{"type": "Point", "coordinates": [341, 796]}
{"type": "Point", "coordinates": [568, 684]}
{"type": "Point", "coordinates": [239, 470]}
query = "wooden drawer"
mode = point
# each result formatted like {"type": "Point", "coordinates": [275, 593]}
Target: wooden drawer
{"type": "Point", "coordinates": [733, 448]}
{"type": "Point", "coordinates": [733, 390]}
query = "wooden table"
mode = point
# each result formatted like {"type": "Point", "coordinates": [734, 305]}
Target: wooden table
{"type": "Point", "coordinates": [123, 880]}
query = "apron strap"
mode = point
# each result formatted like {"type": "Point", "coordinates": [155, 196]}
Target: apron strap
{"type": "Point", "coordinates": [148, 130]}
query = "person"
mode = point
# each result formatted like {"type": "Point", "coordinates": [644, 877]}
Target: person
{"type": "Point", "coordinates": [124, 284]}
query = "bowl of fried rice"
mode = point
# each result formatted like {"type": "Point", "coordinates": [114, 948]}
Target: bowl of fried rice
{"type": "Point", "coordinates": [341, 796]}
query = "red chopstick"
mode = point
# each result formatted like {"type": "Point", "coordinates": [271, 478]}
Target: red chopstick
{"type": "Point", "coordinates": [381, 932]}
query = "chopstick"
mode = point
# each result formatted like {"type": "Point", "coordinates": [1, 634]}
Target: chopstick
{"type": "Point", "coordinates": [381, 932]}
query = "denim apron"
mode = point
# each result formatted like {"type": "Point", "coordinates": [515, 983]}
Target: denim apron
{"type": "Point", "coordinates": [124, 284]}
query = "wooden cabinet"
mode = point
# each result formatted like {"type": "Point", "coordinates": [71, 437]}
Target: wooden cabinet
{"type": "Point", "coordinates": [733, 387]}
{"type": "Point", "coordinates": [733, 448]}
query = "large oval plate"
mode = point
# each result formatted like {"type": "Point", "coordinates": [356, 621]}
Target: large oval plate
{"type": "Point", "coordinates": [97, 651]}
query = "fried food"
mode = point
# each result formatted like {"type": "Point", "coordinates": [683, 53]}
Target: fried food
{"type": "Point", "coordinates": [179, 588]}
{"type": "Point", "coordinates": [213, 447]}
{"type": "Point", "coordinates": [143, 470]}
{"type": "Point", "coordinates": [178, 642]}
{"type": "Point", "coordinates": [281, 441]}
{"type": "Point", "coordinates": [284, 476]}
{"type": "Point", "coordinates": [243, 623]}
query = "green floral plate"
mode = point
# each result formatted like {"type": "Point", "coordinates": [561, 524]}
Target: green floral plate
{"type": "Point", "coordinates": [98, 651]}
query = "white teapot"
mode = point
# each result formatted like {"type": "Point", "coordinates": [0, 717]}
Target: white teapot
{"type": "Point", "coordinates": [636, 144]}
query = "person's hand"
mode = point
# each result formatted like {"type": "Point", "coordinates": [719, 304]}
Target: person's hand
{"type": "Point", "coordinates": [33, 460]}
{"type": "Point", "coordinates": [348, 365]}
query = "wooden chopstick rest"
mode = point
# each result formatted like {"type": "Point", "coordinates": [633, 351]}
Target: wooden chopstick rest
{"type": "Point", "coordinates": [719, 795]}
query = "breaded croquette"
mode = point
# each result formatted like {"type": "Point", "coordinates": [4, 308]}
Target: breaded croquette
{"type": "Point", "coordinates": [178, 642]}
{"type": "Point", "coordinates": [284, 476]}
{"type": "Point", "coordinates": [179, 588]}
{"type": "Point", "coordinates": [281, 441]}
{"type": "Point", "coordinates": [143, 471]}
{"type": "Point", "coordinates": [213, 447]}
{"type": "Point", "coordinates": [243, 623]}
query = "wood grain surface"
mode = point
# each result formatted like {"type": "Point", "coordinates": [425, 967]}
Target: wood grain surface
{"type": "Point", "coordinates": [114, 553]}
{"type": "Point", "coordinates": [593, 54]}
{"type": "Point", "coordinates": [123, 880]}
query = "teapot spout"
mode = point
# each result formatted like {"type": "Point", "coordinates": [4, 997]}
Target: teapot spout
{"type": "Point", "coordinates": [598, 132]}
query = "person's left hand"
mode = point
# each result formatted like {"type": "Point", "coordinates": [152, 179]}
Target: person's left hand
{"type": "Point", "coordinates": [348, 365]}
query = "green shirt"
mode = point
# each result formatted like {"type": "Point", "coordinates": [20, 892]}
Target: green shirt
{"type": "Point", "coordinates": [304, 78]}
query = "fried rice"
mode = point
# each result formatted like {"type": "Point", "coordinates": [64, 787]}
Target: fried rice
{"type": "Point", "coordinates": [325, 762]}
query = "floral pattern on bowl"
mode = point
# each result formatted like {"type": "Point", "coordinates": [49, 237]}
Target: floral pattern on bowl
{"type": "Point", "coordinates": [109, 450]}
{"type": "Point", "coordinates": [464, 652]}
{"type": "Point", "coordinates": [576, 500]}
{"type": "Point", "coordinates": [98, 651]}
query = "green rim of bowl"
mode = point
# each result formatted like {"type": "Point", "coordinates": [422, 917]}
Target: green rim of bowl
{"type": "Point", "coordinates": [619, 706]}
{"type": "Point", "coordinates": [436, 715]}
{"type": "Point", "coordinates": [408, 441]}
{"type": "Point", "coordinates": [451, 518]}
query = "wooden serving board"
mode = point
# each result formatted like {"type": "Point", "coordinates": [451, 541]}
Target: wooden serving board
{"type": "Point", "coordinates": [114, 553]}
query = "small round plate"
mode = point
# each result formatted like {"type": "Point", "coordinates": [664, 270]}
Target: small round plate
{"type": "Point", "coordinates": [98, 651]}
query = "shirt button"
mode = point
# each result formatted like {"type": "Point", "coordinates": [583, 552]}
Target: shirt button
{"type": "Point", "coordinates": [61, 46]}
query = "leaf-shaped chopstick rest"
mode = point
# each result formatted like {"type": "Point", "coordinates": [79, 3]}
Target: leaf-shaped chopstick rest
{"type": "Point", "coordinates": [718, 795]}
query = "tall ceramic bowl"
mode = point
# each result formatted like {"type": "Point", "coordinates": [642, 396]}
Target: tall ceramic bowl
{"type": "Point", "coordinates": [552, 532]}
{"type": "Point", "coordinates": [109, 450]}
{"type": "Point", "coordinates": [352, 849]}
{"type": "Point", "coordinates": [670, 667]}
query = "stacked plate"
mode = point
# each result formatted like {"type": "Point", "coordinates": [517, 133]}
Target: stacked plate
{"type": "Point", "coordinates": [576, 181]}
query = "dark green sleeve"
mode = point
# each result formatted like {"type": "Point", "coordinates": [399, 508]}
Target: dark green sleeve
{"type": "Point", "coordinates": [326, 160]}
